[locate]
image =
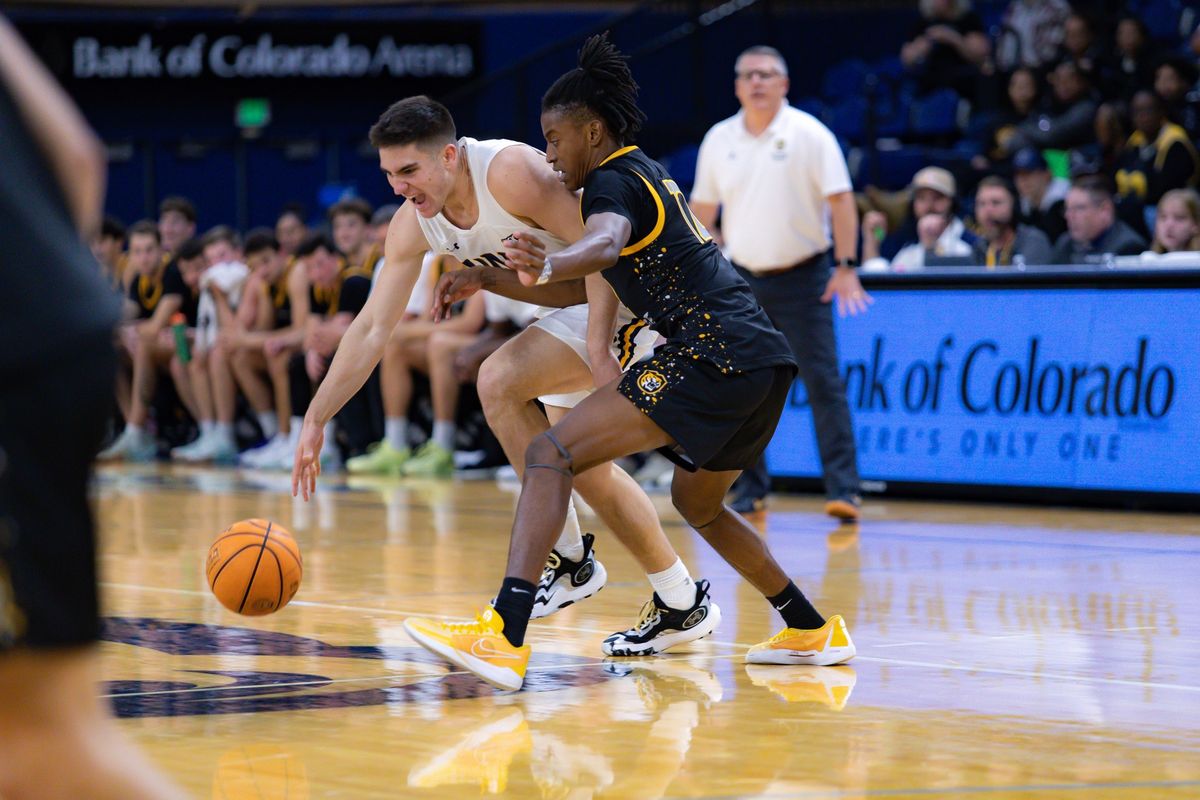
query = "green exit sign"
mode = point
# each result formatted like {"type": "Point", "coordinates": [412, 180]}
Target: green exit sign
{"type": "Point", "coordinates": [253, 112]}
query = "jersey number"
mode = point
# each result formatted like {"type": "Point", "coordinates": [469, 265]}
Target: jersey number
{"type": "Point", "coordinates": [688, 217]}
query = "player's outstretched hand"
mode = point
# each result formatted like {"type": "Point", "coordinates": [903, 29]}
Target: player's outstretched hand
{"type": "Point", "coordinates": [851, 297]}
{"type": "Point", "coordinates": [452, 287]}
{"type": "Point", "coordinates": [306, 466]}
{"type": "Point", "coordinates": [525, 254]}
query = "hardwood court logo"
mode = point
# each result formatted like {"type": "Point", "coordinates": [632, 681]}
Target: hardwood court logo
{"type": "Point", "coordinates": [651, 382]}
{"type": "Point", "coordinates": [202, 680]}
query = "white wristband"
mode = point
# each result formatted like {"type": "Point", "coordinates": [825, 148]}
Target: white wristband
{"type": "Point", "coordinates": [547, 271]}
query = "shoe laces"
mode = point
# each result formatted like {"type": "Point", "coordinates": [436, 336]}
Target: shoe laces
{"type": "Point", "coordinates": [648, 618]}
{"type": "Point", "coordinates": [477, 625]}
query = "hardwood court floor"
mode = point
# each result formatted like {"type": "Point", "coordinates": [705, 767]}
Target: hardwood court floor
{"type": "Point", "coordinates": [1003, 652]}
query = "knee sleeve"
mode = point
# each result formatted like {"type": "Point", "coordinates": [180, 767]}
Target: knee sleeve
{"type": "Point", "coordinates": [546, 452]}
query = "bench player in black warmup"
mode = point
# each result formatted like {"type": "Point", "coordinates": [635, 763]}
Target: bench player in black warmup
{"type": "Point", "coordinates": [57, 368]}
{"type": "Point", "coordinates": [710, 397]}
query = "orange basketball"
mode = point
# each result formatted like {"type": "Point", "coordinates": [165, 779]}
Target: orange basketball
{"type": "Point", "coordinates": [254, 567]}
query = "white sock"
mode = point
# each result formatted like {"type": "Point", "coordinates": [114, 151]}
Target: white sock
{"type": "Point", "coordinates": [294, 432]}
{"type": "Point", "coordinates": [330, 431]}
{"type": "Point", "coordinates": [443, 434]}
{"type": "Point", "coordinates": [674, 586]}
{"type": "Point", "coordinates": [206, 427]}
{"type": "Point", "coordinates": [135, 432]}
{"type": "Point", "coordinates": [268, 422]}
{"type": "Point", "coordinates": [395, 432]}
{"type": "Point", "coordinates": [570, 541]}
{"type": "Point", "coordinates": [223, 431]}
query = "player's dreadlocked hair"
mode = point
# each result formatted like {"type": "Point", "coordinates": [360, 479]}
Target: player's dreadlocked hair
{"type": "Point", "coordinates": [602, 84]}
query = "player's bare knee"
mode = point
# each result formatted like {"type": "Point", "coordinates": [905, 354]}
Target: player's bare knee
{"type": "Point", "coordinates": [546, 452]}
{"type": "Point", "coordinates": [699, 512]}
{"type": "Point", "coordinates": [492, 384]}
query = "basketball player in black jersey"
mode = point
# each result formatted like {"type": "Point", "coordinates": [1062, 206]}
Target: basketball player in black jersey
{"type": "Point", "coordinates": [56, 377]}
{"type": "Point", "coordinates": [710, 398]}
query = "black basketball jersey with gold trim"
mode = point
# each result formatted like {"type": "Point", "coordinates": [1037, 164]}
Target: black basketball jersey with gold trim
{"type": "Point", "coordinates": [672, 275]}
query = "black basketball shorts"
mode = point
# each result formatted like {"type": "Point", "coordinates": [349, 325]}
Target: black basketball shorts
{"type": "Point", "coordinates": [719, 420]}
{"type": "Point", "coordinates": [52, 419]}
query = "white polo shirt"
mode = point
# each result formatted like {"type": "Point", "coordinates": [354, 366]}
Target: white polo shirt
{"type": "Point", "coordinates": [772, 187]}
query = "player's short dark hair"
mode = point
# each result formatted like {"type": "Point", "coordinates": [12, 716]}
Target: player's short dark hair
{"type": "Point", "coordinates": [112, 228]}
{"type": "Point", "coordinates": [192, 249]}
{"type": "Point", "coordinates": [222, 233]}
{"type": "Point", "coordinates": [145, 227]}
{"type": "Point", "coordinates": [414, 120]}
{"type": "Point", "coordinates": [178, 203]}
{"type": "Point", "coordinates": [351, 205]}
{"type": "Point", "coordinates": [260, 239]}
{"type": "Point", "coordinates": [314, 242]}
{"type": "Point", "coordinates": [602, 85]}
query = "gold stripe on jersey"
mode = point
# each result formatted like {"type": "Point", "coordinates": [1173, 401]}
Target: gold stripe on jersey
{"type": "Point", "coordinates": [658, 226]}
{"type": "Point", "coordinates": [627, 149]}
{"type": "Point", "coordinates": [626, 337]}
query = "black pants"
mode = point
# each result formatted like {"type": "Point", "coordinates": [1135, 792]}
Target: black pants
{"type": "Point", "coordinates": [793, 302]}
{"type": "Point", "coordinates": [357, 427]}
{"type": "Point", "coordinates": [52, 418]}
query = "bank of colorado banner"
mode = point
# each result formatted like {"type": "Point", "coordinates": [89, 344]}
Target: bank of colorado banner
{"type": "Point", "coordinates": [1075, 388]}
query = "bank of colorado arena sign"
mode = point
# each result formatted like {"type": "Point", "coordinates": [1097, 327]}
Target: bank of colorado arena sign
{"type": "Point", "coordinates": [1072, 388]}
{"type": "Point", "coordinates": [207, 56]}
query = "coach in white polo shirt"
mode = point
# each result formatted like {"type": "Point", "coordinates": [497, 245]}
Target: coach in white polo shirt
{"type": "Point", "coordinates": [779, 178]}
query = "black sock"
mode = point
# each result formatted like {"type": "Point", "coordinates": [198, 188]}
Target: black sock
{"type": "Point", "coordinates": [514, 604]}
{"type": "Point", "coordinates": [795, 609]}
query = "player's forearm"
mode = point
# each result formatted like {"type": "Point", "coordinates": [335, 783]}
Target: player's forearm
{"type": "Point", "coordinates": [595, 252]}
{"type": "Point", "coordinates": [505, 283]}
{"type": "Point", "coordinates": [360, 350]}
{"type": "Point", "coordinates": [844, 216]}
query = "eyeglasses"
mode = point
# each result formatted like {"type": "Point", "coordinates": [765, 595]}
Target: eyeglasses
{"type": "Point", "coordinates": [761, 74]}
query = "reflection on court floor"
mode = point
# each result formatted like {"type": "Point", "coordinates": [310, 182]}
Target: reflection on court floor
{"type": "Point", "coordinates": [1008, 651]}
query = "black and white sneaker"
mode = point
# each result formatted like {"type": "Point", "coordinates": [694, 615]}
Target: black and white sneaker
{"type": "Point", "coordinates": [660, 627]}
{"type": "Point", "coordinates": [564, 582]}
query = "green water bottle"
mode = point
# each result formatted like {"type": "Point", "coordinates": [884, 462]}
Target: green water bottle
{"type": "Point", "coordinates": [179, 328]}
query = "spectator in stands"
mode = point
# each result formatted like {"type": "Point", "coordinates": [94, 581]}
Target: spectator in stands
{"type": "Point", "coordinates": [452, 359]}
{"type": "Point", "coordinates": [1132, 65]}
{"type": "Point", "coordinates": [1043, 196]}
{"type": "Point", "coordinates": [1021, 103]}
{"type": "Point", "coordinates": [290, 229]}
{"type": "Point", "coordinates": [1004, 241]}
{"type": "Point", "coordinates": [350, 222]}
{"type": "Point", "coordinates": [209, 370]}
{"type": "Point", "coordinates": [1071, 122]}
{"type": "Point", "coordinates": [1037, 26]}
{"type": "Point", "coordinates": [408, 349]}
{"type": "Point", "coordinates": [109, 249]}
{"type": "Point", "coordinates": [176, 222]}
{"type": "Point", "coordinates": [337, 293]}
{"type": "Point", "coordinates": [380, 221]}
{"type": "Point", "coordinates": [1174, 79]}
{"type": "Point", "coordinates": [1093, 230]}
{"type": "Point", "coordinates": [939, 231]}
{"type": "Point", "coordinates": [1159, 156]}
{"type": "Point", "coordinates": [156, 291]}
{"type": "Point", "coordinates": [1177, 226]}
{"type": "Point", "coordinates": [947, 47]}
{"type": "Point", "coordinates": [1080, 43]}
{"type": "Point", "coordinates": [270, 329]}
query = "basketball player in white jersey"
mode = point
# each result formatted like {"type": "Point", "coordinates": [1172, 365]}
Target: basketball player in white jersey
{"type": "Point", "coordinates": [465, 198]}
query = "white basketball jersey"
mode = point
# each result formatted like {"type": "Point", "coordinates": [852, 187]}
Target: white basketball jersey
{"type": "Point", "coordinates": [483, 243]}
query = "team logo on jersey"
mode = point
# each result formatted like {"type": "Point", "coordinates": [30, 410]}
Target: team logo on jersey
{"type": "Point", "coordinates": [651, 382]}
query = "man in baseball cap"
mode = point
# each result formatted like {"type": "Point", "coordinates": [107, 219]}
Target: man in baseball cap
{"type": "Point", "coordinates": [1043, 196]}
{"type": "Point", "coordinates": [939, 231]}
